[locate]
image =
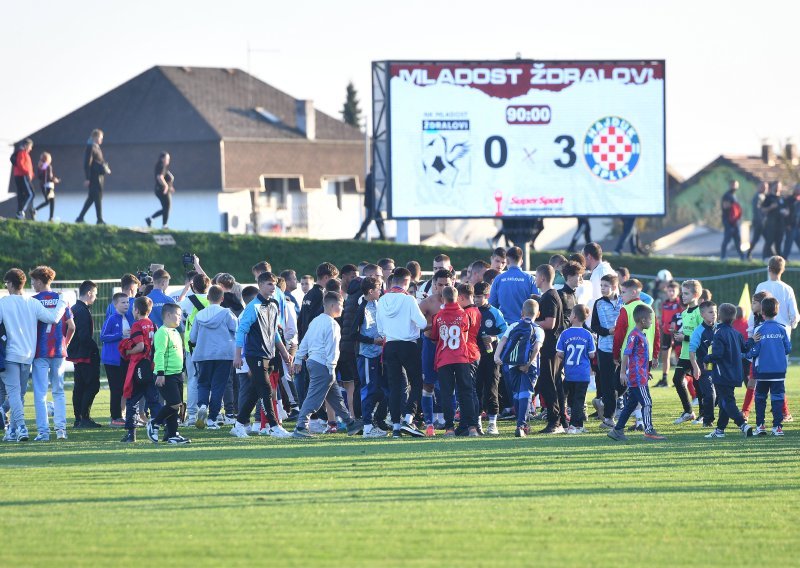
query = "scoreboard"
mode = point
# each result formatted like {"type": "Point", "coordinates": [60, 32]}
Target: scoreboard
{"type": "Point", "coordinates": [525, 138]}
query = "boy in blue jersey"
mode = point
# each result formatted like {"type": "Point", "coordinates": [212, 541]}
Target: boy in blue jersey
{"type": "Point", "coordinates": [511, 288]}
{"type": "Point", "coordinates": [527, 337]}
{"type": "Point", "coordinates": [158, 296]}
{"type": "Point", "coordinates": [634, 369]}
{"type": "Point", "coordinates": [769, 352]}
{"type": "Point", "coordinates": [726, 353]}
{"type": "Point", "coordinates": [576, 347]}
{"type": "Point", "coordinates": [699, 347]}
{"type": "Point", "coordinates": [492, 326]}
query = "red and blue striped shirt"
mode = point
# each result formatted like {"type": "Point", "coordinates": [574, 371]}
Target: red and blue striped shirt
{"type": "Point", "coordinates": [638, 352]}
{"type": "Point", "coordinates": [50, 340]}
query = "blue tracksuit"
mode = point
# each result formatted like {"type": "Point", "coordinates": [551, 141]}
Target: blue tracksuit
{"type": "Point", "coordinates": [726, 355]}
{"type": "Point", "coordinates": [769, 364]}
{"type": "Point", "coordinates": [510, 290]}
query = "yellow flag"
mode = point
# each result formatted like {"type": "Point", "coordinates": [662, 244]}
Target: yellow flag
{"type": "Point", "coordinates": [745, 301]}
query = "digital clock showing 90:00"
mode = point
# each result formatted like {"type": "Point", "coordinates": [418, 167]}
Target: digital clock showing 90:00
{"type": "Point", "coordinates": [528, 114]}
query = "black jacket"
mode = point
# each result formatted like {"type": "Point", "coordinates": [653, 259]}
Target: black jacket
{"type": "Point", "coordinates": [82, 345]}
{"type": "Point", "coordinates": [234, 304]}
{"type": "Point", "coordinates": [312, 307]}
{"type": "Point", "coordinates": [347, 345]}
{"type": "Point", "coordinates": [727, 350]}
{"type": "Point", "coordinates": [94, 166]}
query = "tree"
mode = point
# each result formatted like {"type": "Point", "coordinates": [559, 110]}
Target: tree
{"type": "Point", "coordinates": [351, 113]}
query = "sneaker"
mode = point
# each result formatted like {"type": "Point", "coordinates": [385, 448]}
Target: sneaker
{"type": "Point", "coordinates": [638, 427]}
{"type": "Point", "coordinates": [355, 427]}
{"type": "Point", "coordinates": [747, 430]}
{"type": "Point", "coordinates": [129, 438]}
{"type": "Point", "coordinates": [788, 418]}
{"type": "Point", "coordinates": [777, 431]}
{"type": "Point", "coordinates": [651, 434]}
{"type": "Point", "coordinates": [759, 431]}
{"type": "Point", "coordinates": [449, 433]}
{"type": "Point", "coordinates": [492, 429]}
{"type": "Point", "coordinates": [61, 434]}
{"type": "Point", "coordinates": [715, 433]}
{"type": "Point", "coordinates": [571, 430]}
{"type": "Point", "coordinates": [708, 424]}
{"type": "Point", "coordinates": [331, 429]}
{"type": "Point", "coordinates": [117, 423]}
{"type": "Point", "coordinates": [542, 416]}
{"type": "Point", "coordinates": [473, 433]}
{"type": "Point", "coordinates": [698, 421]}
{"type": "Point", "coordinates": [152, 431]}
{"type": "Point", "coordinates": [430, 431]}
{"type": "Point", "coordinates": [520, 432]}
{"type": "Point", "coordinates": [301, 433]}
{"type": "Point", "coordinates": [228, 420]}
{"type": "Point", "coordinates": [548, 430]}
{"type": "Point", "coordinates": [317, 426]}
{"type": "Point", "coordinates": [178, 440]}
{"type": "Point", "coordinates": [598, 406]}
{"type": "Point", "coordinates": [279, 432]}
{"type": "Point", "coordinates": [617, 435]}
{"type": "Point", "coordinates": [10, 436]}
{"type": "Point", "coordinates": [576, 430]}
{"type": "Point", "coordinates": [685, 417]}
{"type": "Point", "coordinates": [149, 221]}
{"type": "Point", "coordinates": [559, 429]}
{"type": "Point", "coordinates": [438, 424]}
{"type": "Point", "coordinates": [396, 434]}
{"type": "Point", "coordinates": [190, 421]}
{"type": "Point", "coordinates": [373, 432]}
{"type": "Point", "coordinates": [89, 423]}
{"type": "Point", "coordinates": [255, 428]}
{"type": "Point", "coordinates": [211, 425]}
{"type": "Point", "coordinates": [202, 417]}
{"type": "Point", "coordinates": [22, 434]}
{"type": "Point", "coordinates": [411, 430]}
{"type": "Point", "coordinates": [42, 438]}
{"type": "Point", "coordinates": [239, 430]}
{"type": "Point", "coordinates": [294, 412]}
{"type": "Point", "coordinates": [662, 383]}
{"type": "Point", "coordinates": [695, 402]}
{"type": "Point", "coordinates": [479, 430]}
{"type": "Point", "coordinates": [506, 414]}
{"type": "Point", "coordinates": [607, 424]}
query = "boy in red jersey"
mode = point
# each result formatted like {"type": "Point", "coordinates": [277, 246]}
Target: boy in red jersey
{"type": "Point", "coordinates": [670, 307]}
{"type": "Point", "coordinates": [139, 380]}
{"type": "Point", "coordinates": [452, 362]}
{"type": "Point", "coordinates": [466, 295]}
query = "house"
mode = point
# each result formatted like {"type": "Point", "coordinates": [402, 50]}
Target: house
{"type": "Point", "coordinates": [245, 155]}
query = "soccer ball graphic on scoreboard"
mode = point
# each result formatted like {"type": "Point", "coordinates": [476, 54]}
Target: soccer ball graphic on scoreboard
{"type": "Point", "coordinates": [612, 148]}
{"type": "Point", "coordinates": [446, 157]}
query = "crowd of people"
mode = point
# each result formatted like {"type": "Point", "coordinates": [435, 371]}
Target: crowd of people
{"type": "Point", "coordinates": [371, 350]}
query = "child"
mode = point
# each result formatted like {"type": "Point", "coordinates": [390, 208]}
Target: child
{"type": "Point", "coordinates": [452, 362]}
{"type": "Point", "coordinates": [740, 323]}
{"type": "Point", "coordinates": [754, 321]}
{"type": "Point", "coordinates": [139, 380]}
{"type": "Point", "coordinates": [578, 345]}
{"type": "Point", "coordinates": [518, 351]}
{"type": "Point", "coordinates": [726, 354]}
{"type": "Point", "coordinates": [320, 350]}
{"type": "Point", "coordinates": [168, 366]}
{"type": "Point", "coordinates": [699, 347]}
{"type": "Point", "coordinates": [48, 181]}
{"type": "Point", "coordinates": [115, 329]}
{"type": "Point", "coordinates": [488, 380]}
{"type": "Point", "coordinates": [370, 346]}
{"type": "Point", "coordinates": [690, 319]}
{"type": "Point", "coordinates": [670, 307]}
{"type": "Point", "coordinates": [473, 315]}
{"type": "Point", "coordinates": [769, 352]}
{"type": "Point", "coordinates": [634, 370]}
{"type": "Point", "coordinates": [605, 313]}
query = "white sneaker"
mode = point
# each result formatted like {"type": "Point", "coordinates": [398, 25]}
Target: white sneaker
{"type": "Point", "coordinates": [211, 425]}
{"type": "Point", "coordinates": [685, 417]}
{"type": "Point", "coordinates": [227, 421]}
{"type": "Point", "coordinates": [317, 426]}
{"type": "Point", "coordinates": [202, 417]}
{"type": "Point", "coordinates": [279, 432]}
{"type": "Point", "coordinates": [190, 421]}
{"type": "Point", "coordinates": [239, 430]}
{"type": "Point", "coordinates": [22, 434]}
{"type": "Point", "coordinates": [373, 432]}
{"type": "Point", "coordinates": [571, 430]}
{"type": "Point", "coordinates": [255, 428]}
{"type": "Point", "coordinates": [10, 436]}
{"type": "Point", "coordinates": [559, 430]}
{"type": "Point", "coordinates": [61, 434]}
{"type": "Point", "coordinates": [698, 421]}
{"type": "Point", "coordinates": [492, 429]}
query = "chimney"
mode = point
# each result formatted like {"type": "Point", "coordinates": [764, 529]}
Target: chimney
{"type": "Point", "coordinates": [790, 152]}
{"type": "Point", "coordinates": [306, 119]}
{"type": "Point", "coordinates": [767, 154]}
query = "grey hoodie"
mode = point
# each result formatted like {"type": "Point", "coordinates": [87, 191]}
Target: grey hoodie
{"type": "Point", "coordinates": [213, 333]}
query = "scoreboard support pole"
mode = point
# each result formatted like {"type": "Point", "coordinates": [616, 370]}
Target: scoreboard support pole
{"type": "Point", "coordinates": [408, 231]}
{"type": "Point", "coordinates": [526, 256]}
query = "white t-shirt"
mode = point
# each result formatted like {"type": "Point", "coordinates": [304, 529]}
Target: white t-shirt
{"type": "Point", "coordinates": [787, 303]}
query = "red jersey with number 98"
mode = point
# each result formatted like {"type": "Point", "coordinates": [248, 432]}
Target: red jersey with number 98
{"type": "Point", "coordinates": [451, 332]}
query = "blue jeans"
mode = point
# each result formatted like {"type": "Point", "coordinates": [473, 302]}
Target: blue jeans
{"type": "Point", "coordinates": [777, 392]}
{"type": "Point", "coordinates": [727, 407]}
{"type": "Point", "coordinates": [12, 379]}
{"type": "Point", "coordinates": [731, 232]}
{"type": "Point", "coordinates": [374, 387]}
{"type": "Point", "coordinates": [50, 371]}
{"type": "Point", "coordinates": [212, 378]}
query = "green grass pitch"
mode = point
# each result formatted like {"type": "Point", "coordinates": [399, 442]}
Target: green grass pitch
{"type": "Point", "coordinates": [338, 501]}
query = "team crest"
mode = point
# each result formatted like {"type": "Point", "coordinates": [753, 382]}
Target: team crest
{"type": "Point", "coordinates": [612, 148]}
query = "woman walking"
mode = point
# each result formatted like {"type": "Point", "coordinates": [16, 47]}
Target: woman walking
{"type": "Point", "coordinates": [47, 181]}
{"type": "Point", "coordinates": [163, 190]}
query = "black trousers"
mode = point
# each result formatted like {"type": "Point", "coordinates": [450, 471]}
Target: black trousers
{"type": "Point", "coordinates": [457, 378]}
{"type": "Point", "coordinates": [488, 382]}
{"type": "Point", "coordinates": [48, 201]}
{"type": "Point", "coordinates": [116, 381]}
{"type": "Point", "coordinates": [24, 196]}
{"type": "Point", "coordinates": [758, 232]}
{"type": "Point", "coordinates": [679, 381]}
{"type": "Point", "coordinates": [551, 386]}
{"type": "Point", "coordinates": [577, 399]}
{"type": "Point", "coordinates": [87, 385]}
{"type": "Point", "coordinates": [403, 365]}
{"type": "Point", "coordinates": [95, 197]}
{"type": "Point", "coordinates": [607, 382]}
{"type": "Point", "coordinates": [172, 393]}
{"type": "Point", "coordinates": [166, 204]}
{"type": "Point", "coordinates": [259, 389]}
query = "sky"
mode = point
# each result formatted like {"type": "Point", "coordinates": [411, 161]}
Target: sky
{"type": "Point", "coordinates": [731, 66]}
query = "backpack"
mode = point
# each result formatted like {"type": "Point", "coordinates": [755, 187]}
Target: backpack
{"type": "Point", "coordinates": [517, 351]}
{"type": "Point", "coordinates": [13, 157]}
{"type": "Point", "coordinates": [734, 212]}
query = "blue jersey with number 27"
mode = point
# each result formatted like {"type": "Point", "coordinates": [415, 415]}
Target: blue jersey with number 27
{"type": "Point", "coordinates": [576, 345]}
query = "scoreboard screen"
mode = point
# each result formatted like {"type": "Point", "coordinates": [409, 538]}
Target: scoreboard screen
{"type": "Point", "coordinates": [526, 138]}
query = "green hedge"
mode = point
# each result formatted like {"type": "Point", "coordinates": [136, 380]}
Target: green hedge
{"type": "Point", "coordinates": [88, 251]}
